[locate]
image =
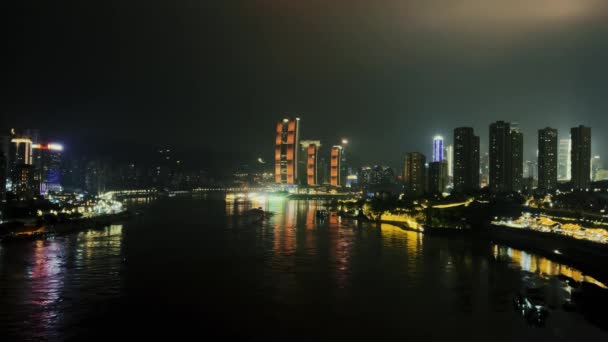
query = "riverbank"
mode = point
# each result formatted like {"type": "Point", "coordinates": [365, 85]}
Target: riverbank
{"type": "Point", "coordinates": [10, 232]}
{"type": "Point", "coordinates": [589, 257]}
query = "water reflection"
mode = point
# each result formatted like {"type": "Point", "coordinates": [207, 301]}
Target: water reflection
{"type": "Point", "coordinates": [47, 284]}
{"type": "Point", "coordinates": [292, 270]}
{"type": "Point", "coordinates": [539, 265]}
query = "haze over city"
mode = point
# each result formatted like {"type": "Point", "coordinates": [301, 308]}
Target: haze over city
{"type": "Point", "coordinates": [212, 77]}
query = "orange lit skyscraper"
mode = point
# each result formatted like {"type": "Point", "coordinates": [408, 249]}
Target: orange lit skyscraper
{"type": "Point", "coordinates": [286, 151]}
{"type": "Point", "coordinates": [336, 157]}
{"type": "Point", "coordinates": [310, 151]}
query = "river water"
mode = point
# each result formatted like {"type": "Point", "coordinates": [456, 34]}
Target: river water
{"type": "Point", "coordinates": [198, 266]}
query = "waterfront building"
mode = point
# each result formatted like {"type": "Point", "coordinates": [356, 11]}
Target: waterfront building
{"type": "Point", "coordinates": [438, 176]}
{"type": "Point", "coordinates": [438, 152]}
{"type": "Point", "coordinates": [286, 151]}
{"type": "Point", "coordinates": [335, 166]}
{"type": "Point", "coordinates": [466, 160]}
{"type": "Point", "coordinates": [547, 159]}
{"type": "Point", "coordinates": [581, 157]}
{"type": "Point", "coordinates": [414, 173]}
{"type": "Point", "coordinates": [309, 152]}
{"type": "Point", "coordinates": [47, 161]}
{"type": "Point", "coordinates": [506, 158]}
{"type": "Point", "coordinates": [25, 182]}
{"type": "Point", "coordinates": [564, 163]}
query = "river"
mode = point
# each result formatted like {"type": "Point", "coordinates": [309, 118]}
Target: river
{"type": "Point", "coordinates": [197, 266]}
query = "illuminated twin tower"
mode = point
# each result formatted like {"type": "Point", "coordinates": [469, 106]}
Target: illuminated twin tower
{"type": "Point", "coordinates": [297, 161]}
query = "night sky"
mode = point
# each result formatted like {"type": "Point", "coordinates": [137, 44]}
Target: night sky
{"type": "Point", "coordinates": [213, 77]}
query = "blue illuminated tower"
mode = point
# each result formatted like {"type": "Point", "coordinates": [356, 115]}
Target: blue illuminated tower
{"type": "Point", "coordinates": [437, 148]}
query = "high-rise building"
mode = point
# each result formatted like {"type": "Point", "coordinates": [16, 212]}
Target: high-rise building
{"type": "Point", "coordinates": [506, 158]}
{"type": "Point", "coordinates": [22, 151]}
{"type": "Point", "coordinates": [47, 161]}
{"type": "Point", "coordinates": [438, 177]}
{"type": "Point", "coordinates": [547, 159]}
{"type": "Point", "coordinates": [25, 182]}
{"type": "Point", "coordinates": [466, 160]}
{"type": "Point", "coordinates": [414, 173]}
{"type": "Point", "coordinates": [310, 151]}
{"type": "Point", "coordinates": [596, 165]}
{"type": "Point", "coordinates": [438, 148]}
{"type": "Point", "coordinates": [581, 157]}
{"type": "Point", "coordinates": [335, 166]}
{"type": "Point", "coordinates": [517, 160]}
{"type": "Point", "coordinates": [484, 170]}
{"type": "Point", "coordinates": [564, 163]}
{"type": "Point", "coordinates": [449, 157]}
{"type": "Point", "coordinates": [286, 151]}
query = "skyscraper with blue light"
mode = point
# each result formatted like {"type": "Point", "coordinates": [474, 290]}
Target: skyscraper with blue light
{"type": "Point", "coordinates": [437, 148]}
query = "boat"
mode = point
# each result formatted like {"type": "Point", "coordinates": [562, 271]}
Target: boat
{"type": "Point", "coordinates": [531, 306]}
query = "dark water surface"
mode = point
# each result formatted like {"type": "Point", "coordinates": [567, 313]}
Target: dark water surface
{"type": "Point", "coordinates": [193, 266]}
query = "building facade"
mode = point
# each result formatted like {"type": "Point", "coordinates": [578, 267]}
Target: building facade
{"type": "Point", "coordinates": [564, 163]}
{"type": "Point", "coordinates": [581, 157]}
{"type": "Point", "coordinates": [547, 159]}
{"type": "Point", "coordinates": [310, 149]}
{"type": "Point", "coordinates": [438, 177]}
{"type": "Point", "coordinates": [438, 152]}
{"type": "Point", "coordinates": [48, 163]}
{"type": "Point", "coordinates": [286, 151]}
{"type": "Point", "coordinates": [466, 160]}
{"type": "Point", "coordinates": [335, 167]}
{"type": "Point", "coordinates": [414, 173]}
{"type": "Point", "coordinates": [506, 158]}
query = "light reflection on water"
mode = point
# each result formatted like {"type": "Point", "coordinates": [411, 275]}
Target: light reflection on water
{"type": "Point", "coordinates": [289, 271]}
{"type": "Point", "coordinates": [541, 266]}
{"type": "Point", "coordinates": [45, 284]}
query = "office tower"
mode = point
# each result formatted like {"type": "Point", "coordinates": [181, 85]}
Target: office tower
{"type": "Point", "coordinates": [47, 161]}
{"type": "Point", "coordinates": [596, 165]}
{"type": "Point", "coordinates": [517, 160]}
{"type": "Point", "coordinates": [547, 159]}
{"type": "Point", "coordinates": [438, 148]}
{"type": "Point", "coordinates": [414, 173]}
{"type": "Point", "coordinates": [564, 163]}
{"type": "Point", "coordinates": [335, 166]}
{"type": "Point", "coordinates": [438, 177]}
{"type": "Point", "coordinates": [449, 157]}
{"type": "Point", "coordinates": [506, 158]}
{"type": "Point", "coordinates": [581, 157]}
{"type": "Point", "coordinates": [308, 169]}
{"type": "Point", "coordinates": [286, 151]}
{"type": "Point", "coordinates": [21, 151]}
{"type": "Point", "coordinates": [484, 170]}
{"type": "Point", "coordinates": [466, 160]}
{"type": "Point", "coordinates": [25, 182]}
